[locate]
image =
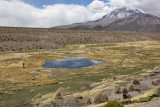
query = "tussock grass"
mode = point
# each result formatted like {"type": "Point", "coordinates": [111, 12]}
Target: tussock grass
{"type": "Point", "coordinates": [121, 59]}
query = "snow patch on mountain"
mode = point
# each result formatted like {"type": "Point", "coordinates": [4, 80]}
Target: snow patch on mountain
{"type": "Point", "coordinates": [124, 12]}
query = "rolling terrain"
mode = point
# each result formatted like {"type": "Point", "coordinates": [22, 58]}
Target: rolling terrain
{"type": "Point", "coordinates": [22, 39]}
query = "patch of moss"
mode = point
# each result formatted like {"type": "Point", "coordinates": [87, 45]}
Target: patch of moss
{"type": "Point", "coordinates": [114, 104]}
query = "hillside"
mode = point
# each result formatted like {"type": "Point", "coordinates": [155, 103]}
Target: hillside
{"type": "Point", "coordinates": [18, 39]}
{"type": "Point", "coordinates": [121, 19]}
{"type": "Point", "coordinates": [143, 23]}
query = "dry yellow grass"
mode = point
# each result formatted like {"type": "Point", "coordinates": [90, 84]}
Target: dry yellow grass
{"type": "Point", "coordinates": [120, 58]}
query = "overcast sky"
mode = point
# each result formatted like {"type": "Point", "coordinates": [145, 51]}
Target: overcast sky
{"type": "Point", "coordinates": [50, 13]}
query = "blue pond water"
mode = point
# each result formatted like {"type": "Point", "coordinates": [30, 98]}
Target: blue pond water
{"type": "Point", "coordinates": [71, 63]}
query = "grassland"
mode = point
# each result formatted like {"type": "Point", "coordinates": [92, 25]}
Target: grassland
{"type": "Point", "coordinates": [18, 84]}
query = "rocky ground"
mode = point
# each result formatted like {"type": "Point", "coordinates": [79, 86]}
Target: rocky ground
{"type": "Point", "coordinates": [155, 103]}
{"type": "Point", "coordinates": [142, 90]}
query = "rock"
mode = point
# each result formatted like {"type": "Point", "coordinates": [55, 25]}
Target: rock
{"type": "Point", "coordinates": [157, 68]}
{"type": "Point", "coordinates": [71, 102]}
{"type": "Point", "coordinates": [61, 83]}
{"type": "Point", "coordinates": [39, 95]}
{"type": "Point", "coordinates": [138, 90]}
{"type": "Point", "coordinates": [78, 96]}
{"type": "Point", "coordinates": [31, 90]}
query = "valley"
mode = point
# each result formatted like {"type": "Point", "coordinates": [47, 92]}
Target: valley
{"type": "Point", "coordinates": [20, 84]}
{"type": "Point", "coordinates": [79, 53]}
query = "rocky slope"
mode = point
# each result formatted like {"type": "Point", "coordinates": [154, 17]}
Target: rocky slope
{"type": "Point", "coordinates": [121, 19]}
{"type": "Point", "coordinates": [142, 23]}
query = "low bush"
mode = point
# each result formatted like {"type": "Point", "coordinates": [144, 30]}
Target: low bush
{"type": "Point", "coordinates": [124, 91]}
{"type": "Point", "coordinates": [58, 94]}
{"type": "Point", "coordinates": [101, 98]}
{"type": "Point", "coordinates": [131, 87]}
{"type": "Point", "coordinates": [117, 90]}
{"type": "Point", "coordinates": [136, 82]}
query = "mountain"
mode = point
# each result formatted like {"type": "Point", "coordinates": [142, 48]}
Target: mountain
{"type": "Point", "coordinates": [120, 13]}
{"type": "Point", "coordinates": [105, 20]}
{"type": "Point", "coordinates": [142, 23]}
{"type": "Point", "coordinates": [121, 19]}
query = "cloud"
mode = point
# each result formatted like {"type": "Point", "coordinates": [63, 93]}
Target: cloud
{"type": "Point", "coordinates": [149, 6]}
{"type": "Point", "coordinates": [17, 13]}
{"type": "Point", "coordinates": [96, 5]}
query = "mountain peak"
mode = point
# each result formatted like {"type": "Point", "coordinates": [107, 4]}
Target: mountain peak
{"type": "Point", "coordinates": [123, 12]}
{"type": "Point", "coordinates": [122, 19]}
{"type": "Point", "coordinates": [130, 8]}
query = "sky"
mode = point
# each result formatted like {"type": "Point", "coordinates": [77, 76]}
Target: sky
{"type": "Point", "coordinates": [50, 13]}
{"type": "Point", "coordinates": [40, 3]}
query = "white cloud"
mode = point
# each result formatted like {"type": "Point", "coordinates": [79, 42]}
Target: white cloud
{"type": "Point", "coordinates": [149, 6]}
{"type": "Point", "coordinates": [19, 14]}
{"type": "Point", "coordinates": [99, 7]}
{"type": "Point", "coordinates": [96, 5]}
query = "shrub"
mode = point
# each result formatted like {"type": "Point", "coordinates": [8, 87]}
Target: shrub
{"type": "Point", "coordinates": [136, 82]}
{"type": "Point", "coordinates": [114, 78]}
{"type": "Point", "coordinates": [131, 87]}
{"type": "Point", "coordinates": [126, 96]}
{"type": "Point", "coordinates": [101, 98]}
{"type": "Point", "coordinates": [156, 82]}
{"type": "Point", "coordinates": [90, 100]}
{"type": "Point", "coordinates": [124, 91]}
{"type": "Point", "coordinates": [117, 90]}
{"type": "Point", "coordinates": [114, 104]}
{"type": "Point", "coordinates": [58, 94]}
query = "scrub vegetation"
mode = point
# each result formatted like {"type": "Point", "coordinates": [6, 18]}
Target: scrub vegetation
{"type": "Point", "coordinates": [129, 61]}
{"type": "Point", "coordinates": [21, 39]}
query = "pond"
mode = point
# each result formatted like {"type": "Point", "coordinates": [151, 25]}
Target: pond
{"type": "Point", "coordinates": [72, 63]}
